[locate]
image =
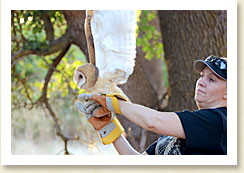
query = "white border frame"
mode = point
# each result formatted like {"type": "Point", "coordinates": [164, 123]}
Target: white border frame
{"type": "Point", "coordinates": [8, 159]}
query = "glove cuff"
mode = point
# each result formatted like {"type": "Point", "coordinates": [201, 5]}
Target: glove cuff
{"type": "Point", "coordinates": [111, 131]}
{"type": "Point", "coordinates": [112, 102]}
{"type": "Point", "coordinates": [117, 95]}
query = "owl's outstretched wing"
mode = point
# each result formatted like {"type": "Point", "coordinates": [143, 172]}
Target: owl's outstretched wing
{"type": "Point", "coordinates": [114, 36]}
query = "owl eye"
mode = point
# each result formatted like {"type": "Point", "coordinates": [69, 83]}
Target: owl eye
{"type": "Point", "coordinates": [81, 76]}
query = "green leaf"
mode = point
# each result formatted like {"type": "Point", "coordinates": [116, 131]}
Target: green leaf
{"type": "Point", "coordinates": [149, 35]}
{"type": "Point", "coordinates": [145, 49]}
{"type": "Point", "coordinates": [151, 16]}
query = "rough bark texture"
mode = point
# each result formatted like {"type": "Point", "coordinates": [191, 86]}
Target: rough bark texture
{"type": "Point", "coordinates": [187, 36]}
{"type": "Point", "coordinates": [75, 20]}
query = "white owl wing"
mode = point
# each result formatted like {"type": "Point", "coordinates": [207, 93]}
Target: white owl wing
{"type": "Point", "coordinates": [114, 35]}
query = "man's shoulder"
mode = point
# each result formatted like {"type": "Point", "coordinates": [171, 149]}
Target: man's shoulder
{"type": "Point", "coordinates": [207, 112]}
{"type": "Point", "coordinates": [203, 115]}
{"type": "Point", "coordinates": [220, 112]}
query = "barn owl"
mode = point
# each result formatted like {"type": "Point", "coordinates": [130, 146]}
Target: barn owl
{"type": "Point", "coordinates": [111, 41]}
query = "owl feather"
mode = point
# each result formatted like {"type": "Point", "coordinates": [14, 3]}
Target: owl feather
{"type": "Point", "coordinates": [111, 40]}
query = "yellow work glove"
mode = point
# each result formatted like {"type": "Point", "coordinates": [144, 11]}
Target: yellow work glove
{"type": "Point", "coordinates": [108, 102]}
{"type": "Point", "coordinates": [106, 124]}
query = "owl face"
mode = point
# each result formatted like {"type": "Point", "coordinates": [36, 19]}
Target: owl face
{"type": "Point", "coordinates": [80, 78]}
{"type": "Point", "coordinates": [85, 76]}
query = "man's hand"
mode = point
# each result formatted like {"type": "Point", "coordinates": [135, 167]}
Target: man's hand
{"type": "Point", "coordinates": [107, 124]}
{"type": "Point", "coordinates": [108, 102]}
{"type": "Point", "coordinates": [93, 108]}
{"type": "Point", "coordinates": [97, 123]}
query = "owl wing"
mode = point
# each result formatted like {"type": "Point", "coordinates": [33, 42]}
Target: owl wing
{"type": "Point", "coordinates": [114, 35]}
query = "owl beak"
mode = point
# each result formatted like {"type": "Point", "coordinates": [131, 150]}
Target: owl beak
{"type": "Point", "coordinates": [80, 80]}
{"type": "Point", "coordinates": [80, 83]}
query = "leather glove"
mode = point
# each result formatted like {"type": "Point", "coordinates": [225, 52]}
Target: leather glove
{"type": "Point", "coordinates": [108, 102]}
{"type": "Point", "coordinates": [107, 125]}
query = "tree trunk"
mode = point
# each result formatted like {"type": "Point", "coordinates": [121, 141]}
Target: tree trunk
{"type": "Point", "coordinates": [187, 36]}
{"type": "Point", "coordinates": [75, 21]}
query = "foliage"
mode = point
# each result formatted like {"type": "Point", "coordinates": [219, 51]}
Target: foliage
{"type": "Point", "coordinates": [151, 40]}
{"type": "Point", "coordinates": [28, 74]}
{"type": "Point", "coordinates": [28, 30]}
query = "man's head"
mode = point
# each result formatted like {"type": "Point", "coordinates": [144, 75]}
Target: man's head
{"type": "Point", "coordinates": [211, 87]}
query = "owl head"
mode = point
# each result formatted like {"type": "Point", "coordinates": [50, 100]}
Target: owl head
{"type": "Point", "coordinates": [85, 76]}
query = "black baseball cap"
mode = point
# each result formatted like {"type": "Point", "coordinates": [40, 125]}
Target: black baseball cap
{"type": "Point", "coordinates": [217, 65]}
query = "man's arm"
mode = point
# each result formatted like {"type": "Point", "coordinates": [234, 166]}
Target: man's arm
{"type": "Point", "coordinates": [123, 147]}
{"type": "Point", "coordinates": [164, 123]}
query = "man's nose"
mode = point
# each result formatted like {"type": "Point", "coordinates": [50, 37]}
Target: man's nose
{"type": "Point", "coordinates": [201, 81]}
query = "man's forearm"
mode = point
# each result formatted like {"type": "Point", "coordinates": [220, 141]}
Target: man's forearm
{"type": "Point", "coordinates": [138, 114]}
{"type": "Point", "coordinates": [163, 123]}
{"type": "Point", "coordinates": [123, 147]}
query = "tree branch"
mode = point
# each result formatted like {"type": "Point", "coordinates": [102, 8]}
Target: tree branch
{"type": "Point", "coordinates": [48, 27]}
{"type": "Point", "coordinates": [13, 26]}
{"type": "Point", "coordinates": [65, 76]}
{"type": "Point", "coordinates": [56, 61]}
{"type": "Point", "coordinates": [75, 20]}
{"type": "Point", "coordinates": [23, 82]}
{"type": "Point", "coordinates": [55, 46]}
{"type": "Point", "coordinates": [20, 27]}
{"type": "Point", "coordinates": [50, 65]}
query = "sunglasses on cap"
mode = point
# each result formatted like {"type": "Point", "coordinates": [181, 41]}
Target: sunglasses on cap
{"type": "Point", "coordinates": [222, 64]}
{"type": "Point", "coordinates": [217, 65]}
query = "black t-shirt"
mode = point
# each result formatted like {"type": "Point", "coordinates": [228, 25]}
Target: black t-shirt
{"type": "Point", "coordinates": [206, 134]}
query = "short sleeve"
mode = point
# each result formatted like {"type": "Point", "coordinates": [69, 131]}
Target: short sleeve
{"type": "Point", "coordinates": [202, 129]}
{"type": "Point", "coordinates": [151, 149]}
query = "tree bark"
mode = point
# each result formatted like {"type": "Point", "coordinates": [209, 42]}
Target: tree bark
{"type": "Point", "coordinates": [75, 20]}
{"type": "Point", "coordinates": [187, 36]}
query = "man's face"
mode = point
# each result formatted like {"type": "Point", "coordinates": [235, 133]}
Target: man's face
{"type": "Point", "coordinates": [210, 91]}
